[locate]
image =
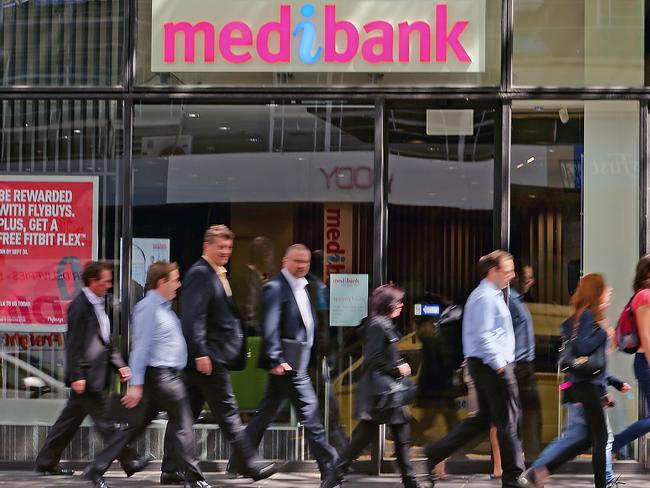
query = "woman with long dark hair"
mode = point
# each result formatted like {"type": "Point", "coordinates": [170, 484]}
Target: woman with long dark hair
{"type": "Point", "coordinates": [641, 308]}
{"type": "Point", "coordinates": [586, 328]}
{"type": "Point", "coordinates": [382, 367]}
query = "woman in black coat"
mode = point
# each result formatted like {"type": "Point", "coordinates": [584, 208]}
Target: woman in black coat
{"type": "Point", "coordinates": [382, 366]}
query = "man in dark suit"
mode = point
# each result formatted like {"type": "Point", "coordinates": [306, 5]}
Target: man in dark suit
{"type": "Point", "coordinates": [288, 316]}
{"type": "Point", "coordinates": [89, 352]}
{"type": "Point", "coordinates": [216, 344]}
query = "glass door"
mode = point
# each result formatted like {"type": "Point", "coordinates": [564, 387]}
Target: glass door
{"type": "Point", "coordinates": [441, 162]}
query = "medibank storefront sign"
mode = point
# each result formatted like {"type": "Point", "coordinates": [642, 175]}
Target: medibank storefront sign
{"type": "Point", "coordinates": [320, 36]}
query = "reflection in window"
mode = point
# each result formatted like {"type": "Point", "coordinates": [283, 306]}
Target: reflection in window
{"type": "Point", "coordinates": [42, 138]}
{"type": "Point", "coordinates": [276, 174]}
{"type": "Point", "coordinates": [574, 210]}
{"type": "Point", "coordinates": [62, 43]}
{"type": "Point", "coordinates": [577, 43]}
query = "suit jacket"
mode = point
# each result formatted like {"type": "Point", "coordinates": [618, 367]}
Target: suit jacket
{"type": "Point", "coordinates": [211, 321]}
{"type": "Point", "coordinates": [281, 319]}
{"type": "Point", "coordinates": [381, 358]}
{"type": "Point", "coordinates": [87, 354]}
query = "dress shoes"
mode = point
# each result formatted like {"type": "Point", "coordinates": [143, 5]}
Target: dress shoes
{"type": "Point", "coordinates": [262, 473]}
{"type": "Point", "coordinates": [96, 480]}
{"type": "Point", "coordinates": [332, 480]}
{"type": "Point", "coordinates": [172, 478]}
{"type": "Point", "coordinates": [197, 484]}
{"type": "Point", "coordinates": [232, 471]}
{"type": "Point", "coordinates": [135, 465]}
{"type": "Point", "coordinates": [55, 471]}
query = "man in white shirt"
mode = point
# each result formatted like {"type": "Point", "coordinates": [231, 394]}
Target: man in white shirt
{"type": "Point", "coordinates": [288, 326]}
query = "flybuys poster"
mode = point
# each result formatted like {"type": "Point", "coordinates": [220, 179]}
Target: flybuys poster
{"type": "Point", "coordinates": [48, 231]}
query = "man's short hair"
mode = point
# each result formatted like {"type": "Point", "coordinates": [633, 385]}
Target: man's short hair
{"type": "Point", "coordinates": [492, 260]}
{"type": "Point", "coordinates": [93, 271]}
{"type": "Point", "coordinates": [218, 232]}
{"type": "Point", "coordinates": [296, 247]}
{"type": "Point", "coordinates": [160, 270]}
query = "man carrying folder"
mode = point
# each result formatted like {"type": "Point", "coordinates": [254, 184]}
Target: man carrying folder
{"type": "Point", "coordinates": [288, 327]}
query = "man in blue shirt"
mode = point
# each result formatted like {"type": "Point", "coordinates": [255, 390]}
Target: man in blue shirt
{"type": "Point", "coordinates": [522, 322]}
{"type": "Point", "coordinates": [489, 349]}
{"type": "Point", "coordinates": [158, 355]}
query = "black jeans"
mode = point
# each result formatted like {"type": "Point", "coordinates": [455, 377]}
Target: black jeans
{"type": "Point", "coordinates": [75, 411]}
{"type": "Point", "coordinates": [367, 432]}
{"type": "Point", "coordinates": [299, 390]}
{"type": "Point", "coordinates": [163, 390]}
{"type": "Point", "coordinates": [589, 395]}
{"type": "Point", "coordinates": [530, 424]}
{"type": "Point", "coordinates": [498, 405]}
{"type": "Point", "coordinates": [217, 391]}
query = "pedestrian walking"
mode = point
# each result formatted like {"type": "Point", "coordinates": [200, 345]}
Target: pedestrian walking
{"type": "Point", "coordinates": [158, 355]}
{"type": "Point", "coordinates": [384, 370]}
{"type": "Point", "coordinates": [289, 331]}
{"type": "Point", "coordinates": [641, 308]}
{"type": "Point", "coordinates": [216, 344]}
{"type": "Point", "coordinates": [489, 347]}
{"type": "Point", "coordinates": [584, 356]}
{"type": "Point", "coordinates": [89, 354]}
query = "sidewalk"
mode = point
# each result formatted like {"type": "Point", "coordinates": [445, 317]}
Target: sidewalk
{"type": "Point", "coordinates": [23, 479]}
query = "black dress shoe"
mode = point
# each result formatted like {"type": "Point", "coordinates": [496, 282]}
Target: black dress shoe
{"type": "Point", "coordinates": [262, 473]}
{"type": "Point", "coordinates": [97, 481]}
{"type": "Point", "coordinates": [55, 471]}
{"type": "Point", "coordinates": [332, 480]}
{"type": "Point", "coordinates": [231, 470]}
{"type": "Point", "coordinates": [197, 484]}
{"type": "Point", "coordinates": [135, 465]}
{"type": "Point", "coordinates": [171, 478]}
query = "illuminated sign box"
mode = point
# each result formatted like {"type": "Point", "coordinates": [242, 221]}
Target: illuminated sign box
{"type": "Point", "coordinates": [318, 36]}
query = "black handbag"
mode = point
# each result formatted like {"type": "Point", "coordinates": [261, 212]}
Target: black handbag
{"type": "Point", "coordinates": [581, 366]}
{"type": "Point", "coordinates": [401, 392]}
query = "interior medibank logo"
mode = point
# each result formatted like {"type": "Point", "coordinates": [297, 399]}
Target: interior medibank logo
{"type": "Point", "coordinates": [303, 34]}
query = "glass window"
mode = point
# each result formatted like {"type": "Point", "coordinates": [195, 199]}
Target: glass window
{"type": "Point", "coordinates": [575, 43]}
{"type": "Point", "coordinates": [276, 174]}
{"type": "Point", "coordinates": [440, 221]}
{"type": "Point", "coordinates": [487, 47]}
{"type": "Point", "coordinates": [574, 210]}
{"type": "Point", "coordinates": [72, 149]}
{"type": "Point", "coordinates": [62, 43]}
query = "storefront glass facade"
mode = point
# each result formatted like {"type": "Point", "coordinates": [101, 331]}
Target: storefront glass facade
{"type": "Point", "coordinates": [388, 170]}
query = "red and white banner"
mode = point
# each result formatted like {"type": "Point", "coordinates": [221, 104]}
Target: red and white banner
{"type": "Point", "coordinates": [48, 228]}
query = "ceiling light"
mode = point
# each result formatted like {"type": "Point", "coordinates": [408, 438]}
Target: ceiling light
{"type": "Point", "coordinates": [192, 115]}
{"type": "Point", "coordinates": [520, 165]}
{"type": "Point", "coordinates": [224, 128]}
{"type": "Point", "coordinates": [564, 115]}
{"type": "Point", "coordinates": [530, 160]}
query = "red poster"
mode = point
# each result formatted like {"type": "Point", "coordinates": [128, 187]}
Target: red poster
{"type": "Point", "coordinates": [47, 232]}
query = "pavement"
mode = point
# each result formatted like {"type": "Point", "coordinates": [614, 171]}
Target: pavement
{"type": "Point", "coordinates": [116, 479]}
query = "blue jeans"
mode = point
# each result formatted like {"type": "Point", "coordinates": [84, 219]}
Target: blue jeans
{"type": "Point", "coordinates": [575, 427]}
{"type": "Point", "coordinates": [641, 426]}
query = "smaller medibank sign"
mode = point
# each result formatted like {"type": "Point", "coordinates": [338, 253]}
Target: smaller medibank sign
{"type": "Point", "coordinates": [318, 35]}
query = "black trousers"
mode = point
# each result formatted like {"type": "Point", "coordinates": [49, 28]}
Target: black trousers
{"type": "Point", "coordinates": [299, 390]}
{"type": "Point", "coordinates": [367, 432]}
{"type": "Point", "coordinates": [163, 390]}
{"type": "Point", "coordinates": [73, 414]}
{"type": "Point", "coordinates": [498, 405]}
{"type": "Point", "coordinates": [590, 396]}
{"type": "Point", "coordinates": [530, 425]}
{"type": "Point", "coordinates": [217, 391]}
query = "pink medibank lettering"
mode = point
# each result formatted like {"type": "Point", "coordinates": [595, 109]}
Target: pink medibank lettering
{"type": "Point", "coordinates": [343, 41]}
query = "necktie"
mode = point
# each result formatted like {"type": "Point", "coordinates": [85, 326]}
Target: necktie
{"type": "Point", "coordinates": [224, 281]}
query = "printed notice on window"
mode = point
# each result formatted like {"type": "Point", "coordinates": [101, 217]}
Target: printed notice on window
{"type": "Point", "coordinates": [348, 299]}
{"type": "Point", "coordinates": [47, 232]}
